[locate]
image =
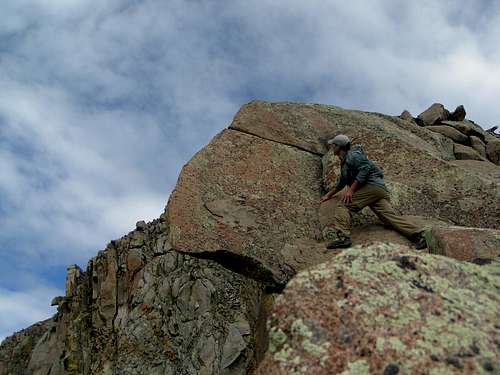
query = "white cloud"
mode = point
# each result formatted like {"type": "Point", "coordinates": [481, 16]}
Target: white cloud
{"type": "Point", "coordinates": [18, 310]}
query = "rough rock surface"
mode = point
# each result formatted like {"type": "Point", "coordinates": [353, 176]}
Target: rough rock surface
{"type": "Point", "coordinates": [189, 293]}
{"type": "Point", "coordinates": [466, 153]}
{"type": "Point", "coordinates": [248, 197]}
{"type": "Point", "coordinates": [466, 127]}
{"type": "Point", "coordinates": [434, 114]}
{"type": "Point", "coordinates": [478, 145]}
{"type": "Point", "coordinates": [142, 308]}
{"type": "Point", "coordinates": [405, 115]}
{"type": "Point", "coordinates": [385, 309]}
{"type": "Point", "coordinates": [458, 114]}
{"type": "Point", "coordinates": [493, 150]}
{"type": "Point", "coordinates": [470, 244]}
{"type": "Point", "coordinates": [450, 132]}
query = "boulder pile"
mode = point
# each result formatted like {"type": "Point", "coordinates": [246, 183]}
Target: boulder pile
{"type": "Point", "coordinates": [470, 141]}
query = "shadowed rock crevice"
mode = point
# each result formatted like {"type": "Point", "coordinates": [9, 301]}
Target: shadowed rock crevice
{"type": "Point", "coordinates": [248, 267]}
{"type": "Point", "coordinates": [277, 141]}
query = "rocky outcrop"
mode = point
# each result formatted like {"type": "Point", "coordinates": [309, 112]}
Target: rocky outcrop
{"type": "Point", "coordinates": [434, 114]}
{"type": "Point", "coordinates": [485, 144]}
{"type": "Point", "coordinates": [189, 293]}
{"type": "Point", "coordinates": [458, 114]}
{"type": "Point", "coordinates": [405, 115]}
{"type": "Point", "coordinates": [384, 309]}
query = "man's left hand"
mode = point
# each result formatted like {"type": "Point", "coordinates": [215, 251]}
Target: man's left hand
{"type": "Point", "coordinates": [347, 198]}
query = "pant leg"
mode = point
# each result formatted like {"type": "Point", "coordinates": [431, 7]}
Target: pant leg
{"type": "Point", "coordinates": [385, 212]}
{"type": "Point", "coordinates": [336, 216]}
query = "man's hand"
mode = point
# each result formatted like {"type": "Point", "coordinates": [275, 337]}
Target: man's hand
{"type": "Point", "coordinates": [326, 197]}
{"type": "Point", "coordinates": [347, 198]}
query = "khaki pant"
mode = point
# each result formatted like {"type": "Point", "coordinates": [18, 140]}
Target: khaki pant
{"type": "Point", "coordinates": [336, 217]}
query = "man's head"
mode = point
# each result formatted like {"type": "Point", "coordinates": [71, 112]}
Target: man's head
{"type": "Point", "coordinates": [339, 143]}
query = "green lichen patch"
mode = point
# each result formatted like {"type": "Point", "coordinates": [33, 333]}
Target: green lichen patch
{"type": "Point", "coordinates": [385, 304]}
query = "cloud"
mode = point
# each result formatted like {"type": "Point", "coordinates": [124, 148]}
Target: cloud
{"type": "Point", "coordinates": [103, 102]}
{"type": "Point", "coordinates": [18, 310]}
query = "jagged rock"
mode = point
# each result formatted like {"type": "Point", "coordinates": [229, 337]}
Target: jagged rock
{"type": "Point", "coordinates": [56, 301]}
{"type": "Point", "coordinates": [469, 244]}
{"type": "Point", "coordinates": [458, 114]}
{"type": "Point", "coordinates": [493, 150]}
{"type": "Point", "coordinates": [466, 153]}
{"type": "Point", "coordinates": [383, 308]}
{"type": "Point", "coordinates": [434, 114]}
{"type": "Point", "coordinates": [492, 130]}
{"type": "Point", "coordinates": [73, 274]}
{"type": "Point", "coordinates": [141, 225]}
{"type": "Point", "coordinates": [16, 350]}
{"type": "Point", "coordinates": [449, 132]}
{"type": "Point", "coordinates": [405, 115]}
{"type": "Point", "coordinates": [478, 145]}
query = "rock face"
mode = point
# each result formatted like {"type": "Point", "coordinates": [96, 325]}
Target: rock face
{"type": "Point", "coordinates": [470, 244]}
{"type": "Point", "coordinates": [449, 132]}
{"type": "Point", "coordinates": [384, 309]}
{"type": "Point", "coordinates": [190, 292]}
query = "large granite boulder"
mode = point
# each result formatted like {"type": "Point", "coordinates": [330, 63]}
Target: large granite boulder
{"type": "Point", "coordinates": [493, 150]}
{"type": "Point", "coordinates": [385, 309]}
{"type": "Point", "coordinates": [449, 132]}
{"type": "Point", "coordinates": [477, 144]}
{"type": "Point", "coordinates": [435, 114]}
{"type": "Point", "coordinates": [463, 152]}
{"type": "Point", "coordinates": [467, 127]}
{"type": "Point", "coordinates": [458, 114]}
{"type": "Point", "coordinates": [254, 191]}
{"type": "Point", "coordinates": [478, 245]}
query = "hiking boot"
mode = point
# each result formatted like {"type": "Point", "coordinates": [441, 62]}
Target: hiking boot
{"type": "Point", "coordinates": [421, 244]}
{"type": "Point", "coordinates": [342, 243]}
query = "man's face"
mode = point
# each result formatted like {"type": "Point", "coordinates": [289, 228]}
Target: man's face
{"type": "Point", "coordinates": [336, 149]}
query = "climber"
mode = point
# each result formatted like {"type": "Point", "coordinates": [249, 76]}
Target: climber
{"type": "Point", "coordinates": [364, 186]}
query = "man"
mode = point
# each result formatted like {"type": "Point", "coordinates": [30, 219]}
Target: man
{"type": "Point", "coordinates": [364, 186]}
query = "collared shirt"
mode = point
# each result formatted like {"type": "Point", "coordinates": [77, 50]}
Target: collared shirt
{"type": "Point", "coordinates": [357, 167]}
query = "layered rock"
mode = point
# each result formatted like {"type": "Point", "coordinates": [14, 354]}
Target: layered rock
{"type": "Point", "coordinates": [384, 309]}
{"type": "Point", "coordinates": [485, 144]}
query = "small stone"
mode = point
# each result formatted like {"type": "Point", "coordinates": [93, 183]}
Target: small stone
{"type": "Point", "coordinates": [391, 369]}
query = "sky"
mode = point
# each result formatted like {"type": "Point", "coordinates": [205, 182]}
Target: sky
{"type": "Point", "coordinates": [103, 101]}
